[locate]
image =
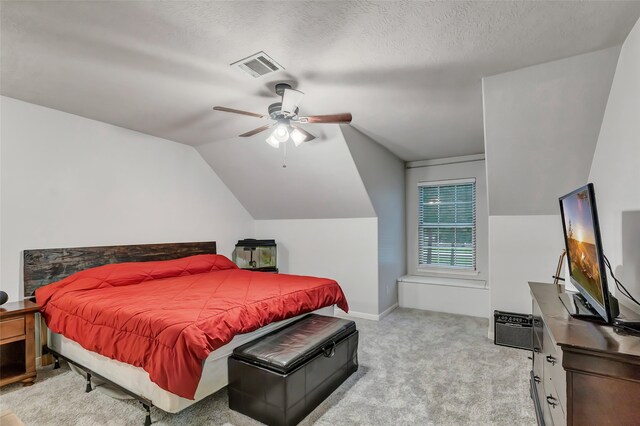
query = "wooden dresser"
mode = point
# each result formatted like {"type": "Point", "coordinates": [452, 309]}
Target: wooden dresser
{"type": "Point", "coordinates": [17, 342]}
{"type": "Point", "coordinates": [583, 373]}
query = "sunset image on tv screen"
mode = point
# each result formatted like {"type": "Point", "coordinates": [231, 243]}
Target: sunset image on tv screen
{"type": "Point", "coordinates": [581, 243]}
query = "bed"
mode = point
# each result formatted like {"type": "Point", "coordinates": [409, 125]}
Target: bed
{"type": "Point", "coordinates": [131, 324]}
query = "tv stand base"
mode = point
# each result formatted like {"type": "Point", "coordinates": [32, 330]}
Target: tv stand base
{"type": "Point", "coordinates": [578, 307]}
{"type": "Point", "coordinates": [627, 325]}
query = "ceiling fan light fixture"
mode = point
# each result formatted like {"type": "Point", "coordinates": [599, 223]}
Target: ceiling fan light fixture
{"type": "Point", "coordinates": [273, 142]}
{"type": "Point", "coordinates": [298, 137]}
{"type": "Point", "coordinates": [281, 133]}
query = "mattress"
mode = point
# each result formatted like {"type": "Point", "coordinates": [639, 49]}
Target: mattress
{"type": "Point", "coordinates": [135, 379]}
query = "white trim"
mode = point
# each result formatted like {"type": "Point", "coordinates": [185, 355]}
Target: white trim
{"type": "Point", "coordinates": [354, 314]}
{"type": "Point", "coordinates": [444, 281]}
{"type": "Point", "coordinates": [388, 311]}
{"type": "Point", "coordinates": [372, 317]}
{"type": "Point", "coordinates": [460, 181]}
{"type": "Point", "coordinates": [443, 161]}
{"type": "Point", "coordinates": [447, 271]}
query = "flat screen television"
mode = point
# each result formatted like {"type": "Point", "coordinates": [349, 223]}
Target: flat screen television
{"type": "Point", "coordinates": [584, 252]}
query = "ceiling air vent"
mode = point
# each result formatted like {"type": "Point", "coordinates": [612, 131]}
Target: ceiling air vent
{"type": "Point", "coordinates": [258, 64]}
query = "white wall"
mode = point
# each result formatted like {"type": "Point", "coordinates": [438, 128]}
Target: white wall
{"type": "Point", "coordinates": [521, 249]}
{"type": "Point", "coordinates": [615, 170]}
{"type": "Point", "coordinates": [342, 249]}
{"type": "Point", "coordinates": [69, 181]}
{"type": "Point", "coordinates": [383, 176]}
{"type": "Point", "coordinates": [440, 290]}
{"type": "Point", "coordinates": [463, 297]}
{"type": "Point", "coordinates": [541, 127]}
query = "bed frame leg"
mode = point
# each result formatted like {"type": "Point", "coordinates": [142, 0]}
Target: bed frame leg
{"type": "Point", "coordinates": [56, 365]}
{"type": "Point", "coordinates": [88, 388]}
{"type": "Point", "coordinates": [147, 419]}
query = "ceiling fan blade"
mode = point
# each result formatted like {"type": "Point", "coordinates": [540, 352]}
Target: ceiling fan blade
{"type": "Point", "coordinates": [290, 100]}
{"type": "Point", "coordinates": [237, 111]}
{"type": "Point", "coordinates": [256, 131]}
{"type": "Point", "coordinates": [307, 136]}
{"type": "Point", "coordinates": [344, 117]}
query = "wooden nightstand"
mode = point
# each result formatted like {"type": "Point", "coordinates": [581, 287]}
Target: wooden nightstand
{"type": "Point", "coordinates": [17, 342]}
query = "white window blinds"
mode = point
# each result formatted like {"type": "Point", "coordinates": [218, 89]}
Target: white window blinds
{"type": "Point", "coordinates": [447, 224]}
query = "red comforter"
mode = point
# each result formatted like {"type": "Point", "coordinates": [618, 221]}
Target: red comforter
{"type": "Point", "coordinates": [166, 317]}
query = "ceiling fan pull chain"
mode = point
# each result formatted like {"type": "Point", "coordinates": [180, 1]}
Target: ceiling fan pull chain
{"type": "Point", "coordinates": [284, 160]}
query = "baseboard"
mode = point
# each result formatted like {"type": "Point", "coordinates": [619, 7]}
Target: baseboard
{"type": "Point", "coordinates": [354, 314]}
{"type": "Point", "coordinates": [387, 311]}
{"type": "Point", "coordinates": [363, 315]}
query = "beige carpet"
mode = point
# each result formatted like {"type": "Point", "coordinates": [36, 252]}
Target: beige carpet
{"type": "Point", "coordinates": [416, 368]}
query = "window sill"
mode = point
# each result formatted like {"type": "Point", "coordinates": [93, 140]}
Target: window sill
{"type": "Point", "coordinates": [449, 271]}
{"type": "Point", "coordinates": [444, 281]}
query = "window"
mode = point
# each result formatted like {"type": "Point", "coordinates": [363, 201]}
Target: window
{"type": "Point", "coordinates": [447, 224]}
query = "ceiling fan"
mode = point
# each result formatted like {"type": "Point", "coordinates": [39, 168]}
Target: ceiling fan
{"type": "Point", "coordinates": [286, 118]}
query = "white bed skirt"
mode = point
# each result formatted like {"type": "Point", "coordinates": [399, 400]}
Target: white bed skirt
{"type": "Point", "coordinates": [136, 380]}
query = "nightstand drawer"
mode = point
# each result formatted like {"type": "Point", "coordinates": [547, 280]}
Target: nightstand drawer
{"type": "Point", "coordinates": [17, 342]}
{"type": "Point", "coordinates": [11, 328]}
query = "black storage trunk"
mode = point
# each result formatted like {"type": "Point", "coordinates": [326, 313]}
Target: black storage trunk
{"type": "Point", "coordinates": [280, 378]}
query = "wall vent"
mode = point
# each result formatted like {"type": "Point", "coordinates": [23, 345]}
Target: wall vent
{"type": "Point", "coordinates": [258, 65]}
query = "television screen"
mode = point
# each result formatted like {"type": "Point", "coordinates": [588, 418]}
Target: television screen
{"type": "Point", "coordinates": [584, 249]}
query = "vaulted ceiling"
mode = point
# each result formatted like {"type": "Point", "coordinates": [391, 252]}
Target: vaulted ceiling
{"type": "Point", "coordinates": [410, 72]}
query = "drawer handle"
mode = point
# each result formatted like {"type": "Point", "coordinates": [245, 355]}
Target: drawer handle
{"type": "Point", "coordinates": [536, 379]}
{"type": "Point", "coordinates": [536, 350]}
{"type": "Point", "coordinates": [552, 401]}
{"type": "Point", "coordinates": [551, 360]}
{"type": "Point", "coordinates": [330, 351]}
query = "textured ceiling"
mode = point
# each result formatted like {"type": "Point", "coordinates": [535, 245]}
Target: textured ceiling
{"type": "Point", "coordinates": [410, 72]}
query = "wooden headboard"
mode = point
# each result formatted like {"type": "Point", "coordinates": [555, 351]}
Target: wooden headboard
{"type": "Point", "coordinates": [44, 266]}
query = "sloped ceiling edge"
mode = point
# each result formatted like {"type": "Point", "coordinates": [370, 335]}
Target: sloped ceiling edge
{"type": "Point", "coordinates": [320, 180]}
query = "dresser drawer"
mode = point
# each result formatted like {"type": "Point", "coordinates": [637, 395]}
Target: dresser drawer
{"type": "Point", "coordinates": [538, 367]}
{"type": "Point", "coordinates": [554, 380]}
{"type": "Point", "coordinates": [553, 406]}
{"type": "Point", "coordinates": [537, 394]}
{"type": "Point", "coordinates": [554, 373]}
{"type": "Point", "coordinates": [13, 327]}
{"type": "Point", "coordinates": [538, 328]}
